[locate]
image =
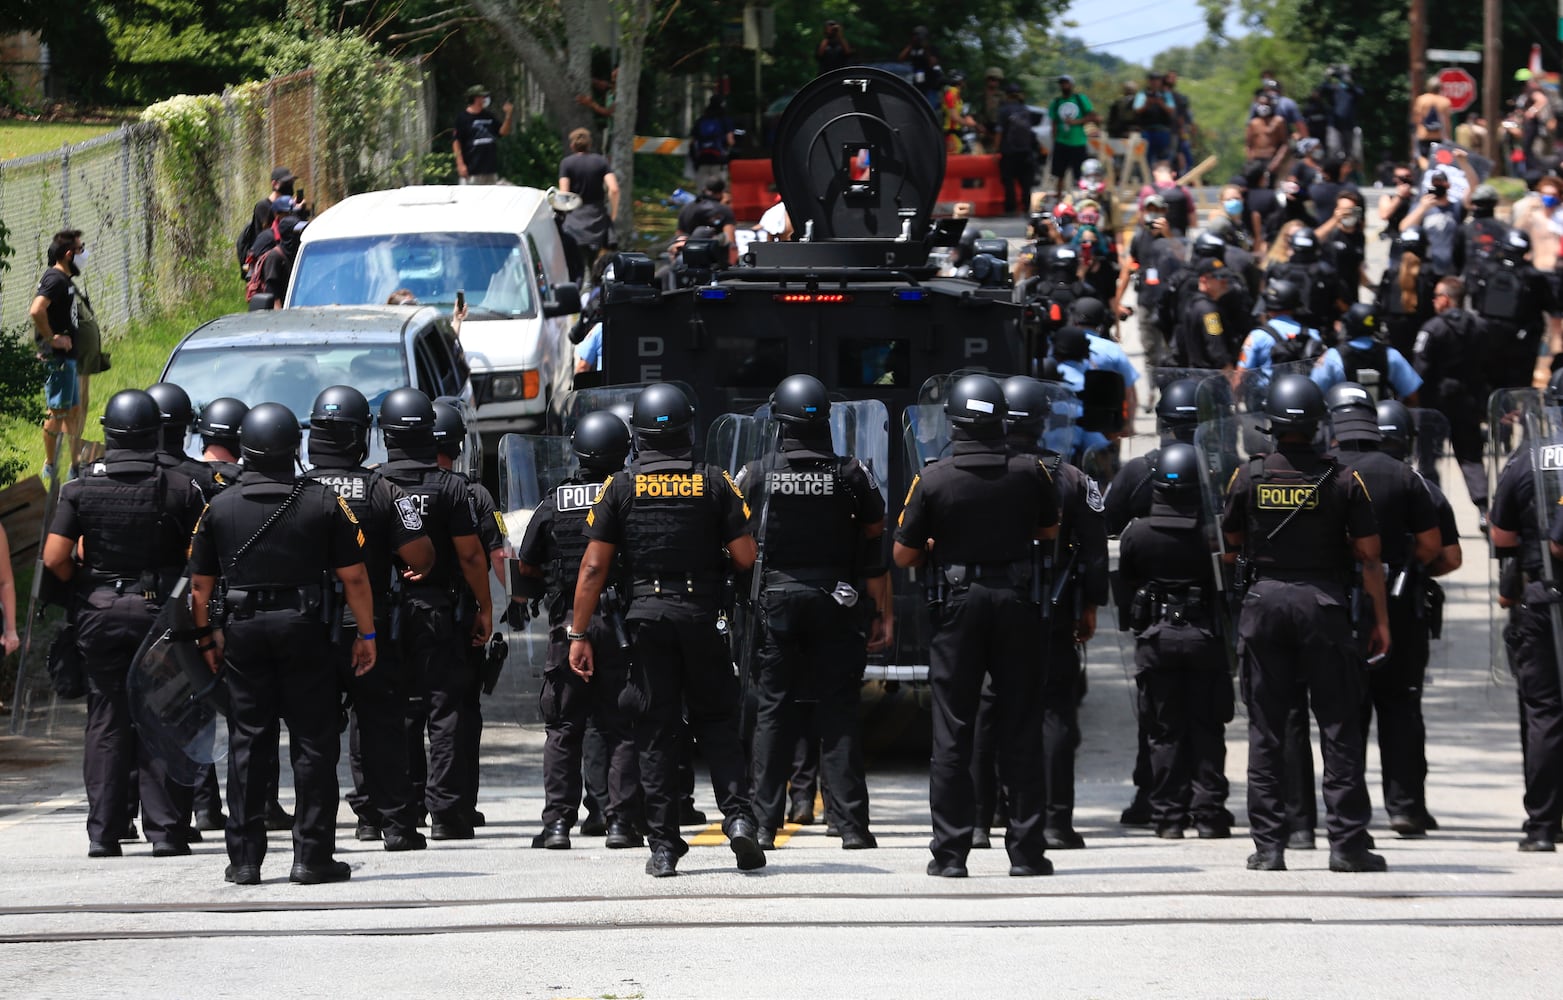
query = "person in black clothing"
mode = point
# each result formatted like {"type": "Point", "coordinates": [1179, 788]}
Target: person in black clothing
{"type": "Point", "coordinates": [833, 51]}
{"type": "Point", "coordinates": [1205, 340]}
{"type": "Point", "coordinates": [178, 415]}
{"type": "Point", "coordinates": [1017, 150]}
{"type": "Point", "coordinates": [53, 312]}
{"type": "Point", "coordinates": [1299, 520]}
{"type": "Point", "coordinates": [275, 541]}
{"type": "Point", "coordinates": [1153, 255]}
{"type": "Point", "coordinates": [1449, 357]}
{"type": "Point", "coordinates": [436, 626]}
{"type": "Point", "coordinates": [450, 436]}
{"type": "Point", "coordinates": [271, 256]}
{"type": "Point", "coordinates": [589, 175]}
{"type": "Point", "coordinates": [1483, 234]}
{"type": "Point", "coordinates": [712, 210]}
{"type": "Point", "coordinates": [477, 135]}
{"type": "Point", "coordinates": [927, 76]}
{"type": "Point", "coordinates": [1343, 243]}
{"type": "Point", "coordinates": [549, 561]}
{"type": "Point", "coordinates": [282, 186]}
{"type": "Point", "coordinates": [1405, 291]}
{"type": "Point", "coordinates": [1513, 299]}
{"type": "Point", "coordinates": [394, 538]}
{"type": "Point", "coordinates": [1410, 540]}
{"type": "Point", "coordinates": [132, 520]}
{"type": "Point", "coordinates": [672, 517]}
{"type": "Point", "coordinates": [975, 517]}
{"type": "Point", "coordinates": [1169, 596]}
{"type": "Point", "coordinates": [819, 518]}
{"type": "Point", "coordinates": [1315, 279]}
{"type": "Point", "coordinates": [1529, 638]}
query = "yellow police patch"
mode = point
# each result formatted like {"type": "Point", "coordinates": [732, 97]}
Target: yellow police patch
{"type": "Point", "coordinates": [901, 517]}
{"type": "Point", "coordinates": [1364, 487]}
{"type": "Point", "coordinates": [1274, 496]}
{"type": "Point", "coordinates": [674, 485]}
{"type": "Point", "coordinates": [1213, 324]}
{"type": "Point", "coordinates": [349, 512]}
{"type": "Point", "coordinates": [499, 520]}
{"type": "Point", "coordinates": [737, 493]}
{"type": "Point", "coordinates": [360, 538]}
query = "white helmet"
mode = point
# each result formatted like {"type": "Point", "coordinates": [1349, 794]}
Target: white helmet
{"type": "Point", "coordinates": [1092, 168]}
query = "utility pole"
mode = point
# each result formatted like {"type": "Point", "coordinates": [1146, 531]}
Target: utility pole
{"type": "Point", "coordinates": [1492, 80]}
{"type": "Point", "coordinates": [1418, 68]}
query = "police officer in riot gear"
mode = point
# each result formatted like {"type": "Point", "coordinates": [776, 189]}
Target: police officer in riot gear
{"type": "Point", "coordinates": [970, 517]}
{"type": "Point", "coordinates": [1484, 234]}
{"type": "Point", "coordinates": [218, 427]}
{"type": "Point", "coordinates": [1363, 356]}
{"type": "Point", "coordinates": [1317, 283]}
{"type": "Point", "coordinates": [672, 517]}
{"type": "Point", "coordinates": [1529, 637]}
{"type": "Point", "coordinates": [818, 519]}
{"type": "Point", "coordinates": [173, 404]}
{"type": "Point", "coordinates": [394, 538]}
{"type": "Point", "coordinates": [1283, 337]}
{"type": "Point", "coordinates": [1448, 356]}
{"type": "Point", "coordinates": [1409, 541]}
{"type": "Point", "coordinates": [1513, 299]}
{"type": "Point", "coordinates": [132, 519]}
{"type": "Point", "coordinates": [1181, 286]}
{"type": "Point", "coordinates": [434, 635]}
{"type": "Point", "coordinates": [549, 560]}
{"type": "Point", "coordinates": [1291, 515]}
{"type": "Point", "coordinates": [275, 540]}
{"type": "Point", "coordinates": [1171, 592]}
{"type": "Point", "coordinates": [1204, 340]}
{"type": "Point", "coordinates": [450, 436]}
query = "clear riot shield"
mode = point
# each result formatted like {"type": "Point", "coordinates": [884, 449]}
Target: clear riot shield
{"type": "Point", "coordinates": [925, 437]}
{"type": "Point", "coordinates": [530, 467]}
{"type": "Point", "coordinates": [177, 704]}
{"type": "Point", "coordinates": [1249, 390]}
{"type": "Point", "coordinates": [1147, 437]}
{"type": "Point", "coordinates": [860, 429]}
{"type": "Point", "coordinates": [1521, 420]}
{"type": "Point", "coordinates": [1219, 439]}
{"type": "Point", "coordinates": [619, 399]}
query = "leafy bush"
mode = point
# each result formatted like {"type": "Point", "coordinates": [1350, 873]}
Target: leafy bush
{"type": "Point", "coordinates": [530, 155]}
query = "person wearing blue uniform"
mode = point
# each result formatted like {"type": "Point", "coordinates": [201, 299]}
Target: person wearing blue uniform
{"type": "Point", "coordinates": [1281, 338]}
{"type": "Point", "coordinates": [1068, 360]}
{"type": "Point", "coordinates": [1370, 362]}
{"type": "Point", "coordinates": [1090, 314]}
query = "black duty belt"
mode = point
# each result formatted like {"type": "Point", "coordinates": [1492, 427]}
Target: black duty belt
{"type": "Point", "coordinates": [677, 585]}
{"type": "Point", "coordinates": [150, 585]}
{"type": "Point", "coordinates": [1182, 605]}
{"type": "Point", "coordinates": [244, 602]}
{"type": "Point", "coordinates": [1002, 574]}
{"type": "Point", "coordinates": [807, 576]}
{"type": "Point", "coordinates": [1318, 576]}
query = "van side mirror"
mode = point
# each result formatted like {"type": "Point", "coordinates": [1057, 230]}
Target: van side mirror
{"type": "Point", "coordinates": [1102, 399]}
{"type": "Point", "coordinates": [566, 301]}
{"type": "Point", "coordinates": [262, 302]}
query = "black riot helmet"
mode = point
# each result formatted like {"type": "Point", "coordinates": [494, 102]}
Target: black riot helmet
{"type": "Point", "coordinates": [406, 414]}
{"type": "Point", "coordinates": [1409, 241]}
{"type": "Point", "coordinates": [173, 403]}
{"type": "Point", "coordinates": [131, 419]}
{"type": "Point", "coordinates": [1282, 296]}
{"type": "Point", "coordinates": [269, 435]}
{"type": "Point", "coordinates": [341, 404]}
{"type": "Point", "coordinates": [1305, 246]}
{"type": "Point", "coordinates": [601, 441]}
{"type": "Point", "coordinates": [1360, 321]}
{"type": "Point", "coordinates": [1209, 246]}
{"type": "Point", "coordinates": [1177, 411]}
{"type": "Point", "coordinates": [1396, 427]}
{"type": "Point", "coordinates": [450, 428]}
{"type": "Point", "coordinates": [1177, 468]}
{"type": "Point", "coordinates": [1295, 405]}
{"type": "Point", "coordinates": [1554, 393]}
{"type": "Point", "coordinates": [1088, 312]}
{"type": "Point", "coordinates": [662, 410]}
{"type": "Point", "coordinates": [801, 399]}
{"type": "Point", "coordinates": [1028, 402]}
{"type": "Point", "coordinates": [976, 401]}
{"type": "Point", "coordinates": [219, 422]}
{"type": "Point", "coordinates": [1514, 246]}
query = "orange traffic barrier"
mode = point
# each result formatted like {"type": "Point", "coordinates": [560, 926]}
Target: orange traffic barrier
{"type": "Point", "coordinates": [973, 179]}
{"type": "Point", "coordinates": [753, 186]}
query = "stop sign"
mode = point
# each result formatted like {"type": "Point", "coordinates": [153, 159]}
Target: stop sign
{"type": "Point", "coordinates": [1459, 86]}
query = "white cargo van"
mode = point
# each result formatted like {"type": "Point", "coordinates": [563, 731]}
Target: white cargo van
{"type": "Point", "coordinates": [497, 245]}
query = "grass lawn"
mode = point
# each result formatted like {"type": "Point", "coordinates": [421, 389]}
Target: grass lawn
{"type": "Point", "coordinates": [19, 138]}
{"type": "Point", "coordinates": [138, 359]}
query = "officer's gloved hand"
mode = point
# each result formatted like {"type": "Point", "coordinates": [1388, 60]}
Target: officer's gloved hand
{"type": "Point", "coordinates": [516, 615]}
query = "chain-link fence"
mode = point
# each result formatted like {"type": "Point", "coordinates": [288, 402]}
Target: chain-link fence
{"type": "Point", "coordinates": [109, 188]}
{"type": "Point", "coordinates": [152, 232]}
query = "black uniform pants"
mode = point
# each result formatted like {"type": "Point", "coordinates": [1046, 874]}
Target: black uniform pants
{"type": "Point", "coordinates": [1061, 694]}
{"type": "Point", "coordinates": [377, 735]}
{"type": "Point", "coordinates": [810, 649]}
{"type": "Point", "coordinates": [983, 631]}
{"type": "Point", "coordinates": [116, 764]}
{"type": "Point", "coordinates": [1533, 661]}
{"type": "Point", "coordinates": [1016, 171]}
{"type": "Point", "coordinates": [1394, 690]}
{"type": "Point", "coordinates": [569, 704]}
{"type": "Point", "coordinates": [804, 784]}
{"type": "Point", "coordinates": [279, 667]}
{"type": "Point", "coordinates": [443, 678]}
{"type": "Point", "coordinates": [596, 761]}
{"type": "Point", "coordinates": [1465, 437]}
{"type": "Point", "coordinates": [1296, 637]}
{"type": "Point", "coordinates": [1186, 698]}
{"type": "Point", "coordinates": [679, 664]}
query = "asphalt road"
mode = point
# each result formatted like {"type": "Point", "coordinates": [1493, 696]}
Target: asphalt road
{"type": "Point", "coordinates": [1461, 913]}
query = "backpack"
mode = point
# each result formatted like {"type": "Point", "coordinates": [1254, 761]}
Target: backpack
{"type": "Point", "coordinates": [1369, 368]}
{"type": "Point", "coordinates": [709, 140]}
{"type": "Point", "coordinates": [1299, 348]}
{"type": "Point", "coordinates": [1018, 137]}
{"type": "Point", "coordinates": [1501, 293]}
{"type": "Point", "coordinates": [255, 263]}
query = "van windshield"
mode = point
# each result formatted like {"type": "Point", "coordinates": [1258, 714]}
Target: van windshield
{"type": "Point", "coordinates": [492, 268]}
{"type": "Point", "coordinates": [291, 375]}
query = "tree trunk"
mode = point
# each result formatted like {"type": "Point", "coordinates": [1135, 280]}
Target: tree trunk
{"type": "Point", "coordinates": [634, 18]}
{"type": "Point", "coordinates": [529, 42]}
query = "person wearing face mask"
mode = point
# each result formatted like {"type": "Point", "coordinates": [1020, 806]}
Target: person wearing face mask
{"type": "Point", "coordinates": [53, 313]}
{"type": "Point", "coordinates": [1266, 138]}
{"type": "Point", "coordinates": [1439, 217]}
{"type": "Point", "coordinates": [478, 133]}
{"type": "Point", "coordinates": [1343, 241]}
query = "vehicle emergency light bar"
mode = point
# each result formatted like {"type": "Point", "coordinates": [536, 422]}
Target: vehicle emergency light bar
{"type": "Point", "coordinates": [819, 298]}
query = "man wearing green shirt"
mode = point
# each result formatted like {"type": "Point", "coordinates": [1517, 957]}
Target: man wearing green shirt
{"type": "Point", "coordinates": [1070, 112]}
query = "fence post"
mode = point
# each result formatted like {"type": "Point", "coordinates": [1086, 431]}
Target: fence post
{"type": "Point", "coordinates": [65, 186]}
{"type": "Point", "coordinates": [124, 200]}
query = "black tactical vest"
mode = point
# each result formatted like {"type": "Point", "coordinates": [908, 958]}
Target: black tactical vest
{"type": "Point", "coordinates": [1388, 481]}
{"type": "Point", "coordinates": [427, 484]}
{"type": "Point", "coordinates": [356, 487]}
{"type": "Point", "coordinates": [573, 500]}
{"type": "Point", "coordinates": [1313, 543]}
{"type": "Point", "coordinates": [673, 530]}
{"type": "Point", "coordinates": [126, 526]}
{"type": "Point", "coordinates": [223, 475]}
{"type": "Point", "coordinates": [293, 551]}
{"type": "Point", "coordinates": [809, 512]}
{"type": "Point", "coordinates": [1369, 368]}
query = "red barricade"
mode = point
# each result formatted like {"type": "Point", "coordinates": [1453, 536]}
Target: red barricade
{"type": "Point", "coordinates": [972, 179]}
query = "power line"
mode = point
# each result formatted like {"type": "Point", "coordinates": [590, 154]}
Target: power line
{"type": "Point", "coordinates": [1122, 13]}
{"type": "Point", "coordinates": [1148, 34]}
